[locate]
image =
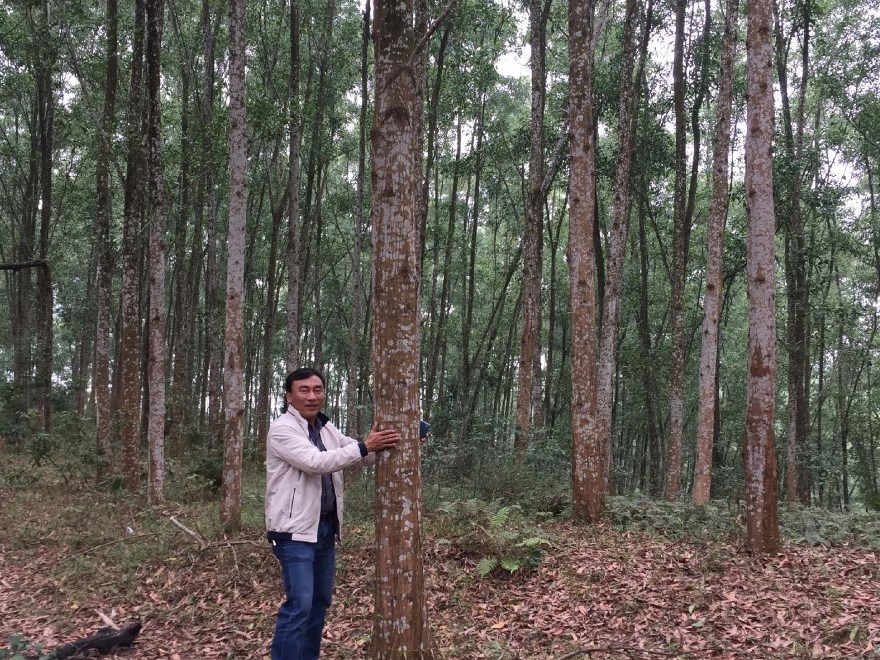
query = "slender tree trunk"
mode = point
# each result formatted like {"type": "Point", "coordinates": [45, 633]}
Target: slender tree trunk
{"type": "Point", "coordinates": [587, 449]}
{"type": "Point", "coordinates": [651, 457]}
{"type": "Point", "coordinates": [184, 311]}
{"type": "Point", "coordinates": [708, 400]}
{"type": "Point", "coordinates": [233, 393]}
{"type": "Point", "coordinates": [156, 359]}
{"type": "Point", "coordinates": [401, 626]}
{"type": "Point", "coordinates": [355, 356]}
{"type": "Point", "coordinates": [293, 228]}
{"type": "Point", "coordinates": [679, 264]}
{"type": "Point", "coordinates": [762, 528]}
{"type": "Point", "coordinates": [129, 399]}
{"type": "Point", "coordinates": [617, 247]}
{"type": "Point", "coordinates": [102, 230]}
{"type": "Point", "coordinates": [531, 278]}
{"type": "Point", "coordinates": [795, 267]}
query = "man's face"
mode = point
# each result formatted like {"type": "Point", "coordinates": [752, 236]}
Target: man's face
{"type": "Point", "coordinates": [307, 397]}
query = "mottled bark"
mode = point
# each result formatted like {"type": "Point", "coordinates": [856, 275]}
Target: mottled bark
{"type": "Point", "coordinates": [233, 367]}
{"type": "Point", "coordinates": [531, 278]}
{"type": "Point", "coordinates": [156, 353]}
{"type": "Point", "coordinates": [762, 528]}
{"type": "Point", "coordinates": [616, 246]}
{"type": "Point", "coordinates": [708, 401]}
{"type": "Point", "coordinates": [181, 339]}
{"type": "Point", "coordinates": [587, 449]}
{"type": "Point", "coordinates": [103, 214]}
{"type": "Point", "coordinates": [130, 340]}
{"type": "Point", "coordinates": [401, 626]}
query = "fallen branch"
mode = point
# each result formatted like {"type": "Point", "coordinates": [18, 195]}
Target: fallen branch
{"type": "Point", "coordinates": [103, 641]}
{"type": "Point", "coordinates": [202, 543]}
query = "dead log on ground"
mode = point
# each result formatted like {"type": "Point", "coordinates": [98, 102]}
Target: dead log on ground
{"type": "Point", "coordinates": [103, 641]}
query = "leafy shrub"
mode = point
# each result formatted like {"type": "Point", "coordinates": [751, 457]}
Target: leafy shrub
{"type": "Point", "coordinates": [499, 538]}
{"type": "Point", "coordinates": [17, 647]}
{"type": "Point", "coordinates": [829, 528]}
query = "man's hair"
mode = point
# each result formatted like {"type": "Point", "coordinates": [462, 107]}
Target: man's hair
{"type": "Point", "coordinates": [299, 374]}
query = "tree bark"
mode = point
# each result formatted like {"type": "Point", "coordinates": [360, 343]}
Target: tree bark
{"type": "Point", "coordinates": [617, 247]}
{"type": "Point", "coordinates": [156, 359]}
{"type": "Point", "coordinates": [587, 449]}
{"type": "Point", "coordinates": [291, 351]}
{"type": "Point", "coordinates": [531, 278]}
{"type": "Point", "coordinates": [401, 626]}
{"type": "Point", "coordinates": [104, 212]}
{"type": "Point", "coordinates": [762, 527]}
{"type": "Point", "coordinates": [708, 401]}
{"type": "Point", "coordinates": [356, 352]}
{"type": "Point", "coordinates": [129, 347]}
{"type": "Point", "coordinates": [233, 393]}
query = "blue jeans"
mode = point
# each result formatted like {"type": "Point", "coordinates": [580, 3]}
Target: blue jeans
{"type": "Point", "coordinates": [308, 570]}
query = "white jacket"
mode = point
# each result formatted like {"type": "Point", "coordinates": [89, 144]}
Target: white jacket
{"type": "Point", "coordinates": [293, 474]}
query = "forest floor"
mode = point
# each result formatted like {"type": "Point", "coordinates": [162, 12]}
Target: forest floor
{"type": "Point", "coordinates": [72, 557]}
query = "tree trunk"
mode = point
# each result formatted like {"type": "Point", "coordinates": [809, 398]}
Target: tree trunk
{"type": "Point", "coordinates": [679, 264]}
{"type": "Point", "coordinates": [401, 626]}
{"type": "Point", "coordinates": [616, 248]}
{"type": "Point", "coordinates": [291, 351]}
{"type": "Point", "coordinates": [587, 449]}
{"type": "Point", "coordinates": [130, 342]}
{"type": "Point", "coordinates": [156, 359]}
{"type": "Point", "coordinates": [531, 278]}
{"type": "Point", "coordinates": [104, 212]}
{"type": "Point", "coordinates": [762, 528]}
{"type": "Point", "coordinates": [797, 292]}
{"type": "Point", "coordinates": [708, 401]}
{"type": "Point", "coordinates": [355, 356]}
{"type": "Point", "coordinates": [233, 392]}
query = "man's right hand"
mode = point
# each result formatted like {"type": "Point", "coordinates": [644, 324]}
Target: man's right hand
{"type": "Point", "coordinates": [379, 440]}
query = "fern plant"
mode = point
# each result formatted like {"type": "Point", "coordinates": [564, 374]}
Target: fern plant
{"type": "Point", "coordinates": [502, 539]}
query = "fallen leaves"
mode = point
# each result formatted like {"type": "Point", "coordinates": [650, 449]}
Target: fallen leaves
{"type": "Point", "coordinates": [622, 595]}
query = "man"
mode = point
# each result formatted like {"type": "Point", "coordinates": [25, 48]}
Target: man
{"type": "Point", "coordinates": [305, 454]}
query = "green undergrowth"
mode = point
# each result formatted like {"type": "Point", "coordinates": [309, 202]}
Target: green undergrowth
{"type": "Point", "coordinates": [721, 520]}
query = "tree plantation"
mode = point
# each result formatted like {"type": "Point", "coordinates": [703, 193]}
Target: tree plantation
{"type": "Point", "coordinates": [623, 256]}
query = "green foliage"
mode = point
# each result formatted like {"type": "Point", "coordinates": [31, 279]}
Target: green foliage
{"type": "Point", "coordinates": [502, 539]}
{"type": "Point", "coordinates": [830, 528]}
{"type": "Point", "coordinates": [677, 520]}
{"type": "Point", "coordinates": [17, 647]}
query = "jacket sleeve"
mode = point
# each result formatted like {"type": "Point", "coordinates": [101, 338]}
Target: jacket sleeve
{"type": "Point", "coordinates": [293, 446]}
{"type": "Point", "coordinates": [346, 441]}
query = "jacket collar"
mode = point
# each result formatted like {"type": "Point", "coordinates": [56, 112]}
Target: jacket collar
{"type": "Point", "coordinates": [322, 418]}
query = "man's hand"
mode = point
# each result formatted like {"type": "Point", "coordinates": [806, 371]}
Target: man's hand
{"type": "Point", "coordinates": [379, 440]}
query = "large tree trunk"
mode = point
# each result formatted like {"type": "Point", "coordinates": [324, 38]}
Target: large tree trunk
{"type": "Point", "coordinates": [401, 626]}
{"type": "Point", "coordinates": [531, 278]}
{"type": "Point", "coordinates": [233, 393]}
{"type": "Point", "coordinates": [617, 247]}
{"type": "Point", "coordinates": [708, 401]}
{"type": "Point", "coordinates": [587, 449]}
{"type": "Point", "coordinates": [762, 528]}
{"type": "Point", "coordinates": [156, 355]}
